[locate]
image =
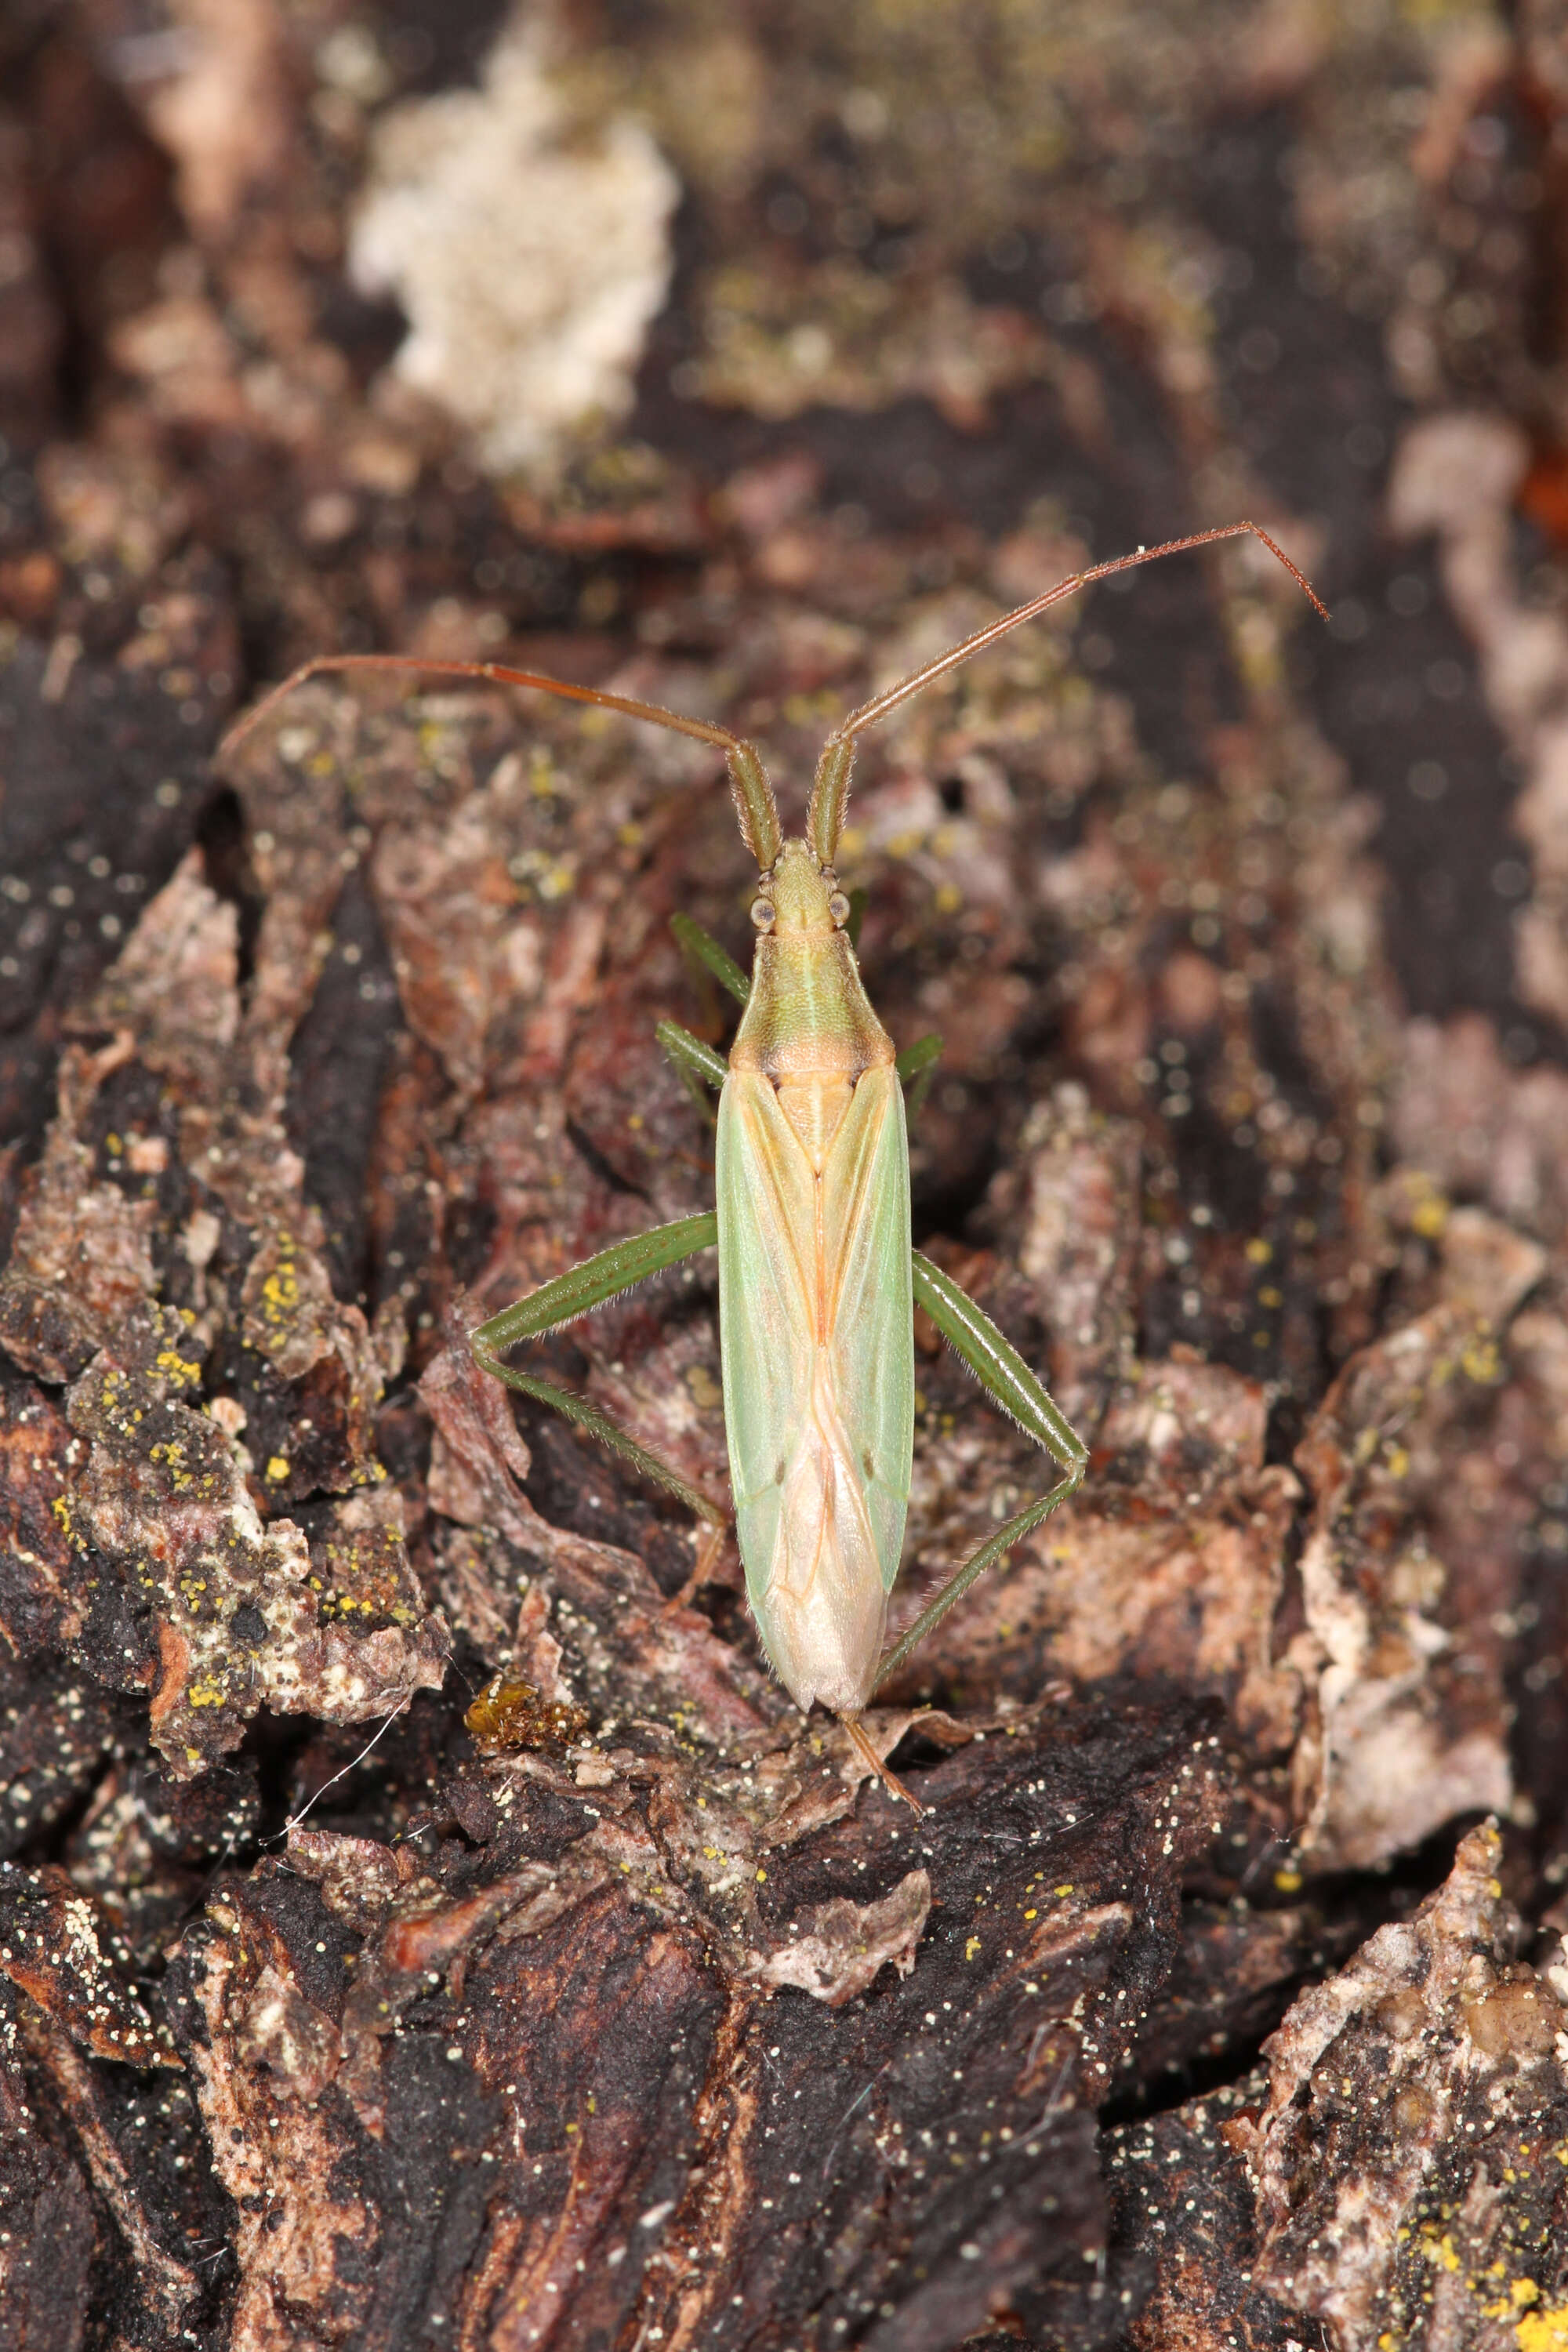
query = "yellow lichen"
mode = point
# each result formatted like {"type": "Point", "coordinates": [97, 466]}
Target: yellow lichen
{"type": "Point", "coordinates": [280, 1291]}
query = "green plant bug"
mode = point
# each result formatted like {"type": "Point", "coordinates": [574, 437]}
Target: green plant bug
{"type": "Point", "coordinates": [817, 1277]}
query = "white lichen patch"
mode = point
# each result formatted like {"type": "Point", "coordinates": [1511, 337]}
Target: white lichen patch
{"type": "Point", "coordinates": [529, 257]}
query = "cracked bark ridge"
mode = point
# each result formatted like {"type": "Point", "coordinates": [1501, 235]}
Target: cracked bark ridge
{"type": "Point", "coordinates": [228, 1612]}
{"type": "Point", "coordinates": [101, 2170]}
{"type": "Point", "coordinates": [55, 1721]}
{"type": "Point", "coordinates": [1398, 2170]}
{"type": "Point", "coordinates": [1411, 1549]}
{"type": "Point", "coordinates": [55, 1945]}
{"type": "Point", "coordinates": [179, 1584]}
{"type": "Point", "coordinates": [1182, 2195]}
{"type": "Point", "coordinates": [1411, 2156]}
{"type": "Point", "coordinates": [559, 2101]}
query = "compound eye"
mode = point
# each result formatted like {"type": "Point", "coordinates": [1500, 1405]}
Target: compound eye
{"type": "Point", "coordinates": [762, 914]}
{"type": "Point", "coordinates": [839, 907]}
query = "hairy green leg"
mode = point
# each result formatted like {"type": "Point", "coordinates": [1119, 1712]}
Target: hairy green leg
{"type": "Point", "coordinates": [1008, 1382]}
{"type": "Point", "coordinates": [696, 1064]}
{"type": "Point", "coordinates": [591, 1283]}
{"type": "Point", "coordinates": [918, 1062]}
{"type": "Point", "coordinates": [702, 949]}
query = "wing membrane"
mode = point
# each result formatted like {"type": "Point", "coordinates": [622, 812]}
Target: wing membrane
{"type": "Point", "coordinates": [816, 1317]}
{"type": "Point", "coordinates": [870, 1326]}
{"type": "Point", "coordinates": [766, 1222]}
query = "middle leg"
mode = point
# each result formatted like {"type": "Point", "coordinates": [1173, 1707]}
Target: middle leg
{"type": "Point", "coordinates": [593, 1284]}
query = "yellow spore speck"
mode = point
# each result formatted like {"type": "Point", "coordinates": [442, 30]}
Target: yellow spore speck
{"type": "Point", "coordinates": [278, 1468]}
{"type": "Point", "coordinates": [280, 1291]}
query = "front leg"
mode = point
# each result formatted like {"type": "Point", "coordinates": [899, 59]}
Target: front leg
{"type": "Point", "coordinates": [916, 1066]}
{"type": "Point", "coordinates": [696, 1065]}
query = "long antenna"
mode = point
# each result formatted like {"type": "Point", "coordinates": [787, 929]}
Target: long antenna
{"type": "Point", "coordinates": [830, 789]}
{"type": "Point", "coordinates": [754, 802]}
{"type": "Point", "coordinates": [870, 712]}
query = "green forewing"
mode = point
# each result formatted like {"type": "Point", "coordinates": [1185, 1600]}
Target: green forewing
{"type": "Point", "coordinates": [817, 1324]}
{"type": "Point", "coordinates": [866, 1201]}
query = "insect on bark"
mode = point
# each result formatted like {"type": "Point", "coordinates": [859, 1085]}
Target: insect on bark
{"type": "Point", "coordinates": [817, 1278]}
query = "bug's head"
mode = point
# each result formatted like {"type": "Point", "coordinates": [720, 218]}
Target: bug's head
{"type": "Point", "coordinates": [800, 898]}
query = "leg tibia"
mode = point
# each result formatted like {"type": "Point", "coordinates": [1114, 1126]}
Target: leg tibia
{"type": "Point", "coordinates": [692, 1058]}
{"type": "Point", "coordinates": [959, 1582]}
{"type": "Point", "coordinates": [596, 1280]}
{"type": "Point", "coordinates": [702, 949]}
{"type": "Point", "coordinates": [916, 1067]}
{"type": "Point", "coordinates": [999, 1368]}
{"type": "Point", "coordinates": [609, 1433]}
{"type": "Point", "coordinates": [1008, 1382]}
{"type": "Point", "coordinates": [590, 1285]}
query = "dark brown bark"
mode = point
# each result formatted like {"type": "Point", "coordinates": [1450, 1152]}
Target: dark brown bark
{"type": "Point", "coordinates": [1217, 1997]}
